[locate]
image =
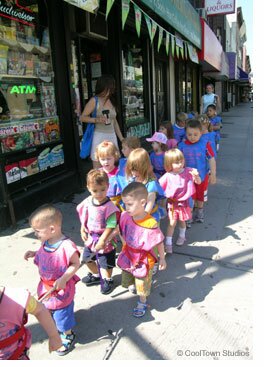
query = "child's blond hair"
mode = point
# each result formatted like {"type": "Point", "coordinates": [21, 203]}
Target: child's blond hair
{"type": "Point", "coordinates": [132, 142]}
{"type": "Point", "coordinates": [107, 149]}
{"type": "Point", "coordinates": [97, 177]}
{"type": "Point", "coordinates": [172, 156]}
{"type": "Point", "coordinates": [46, 215]}
{"type": "Point", "coordinates": [204, 120]}
{"type": "Point", "coordinates": [138, 160]}
{"type": "Point", "coordinates": [182, 116]}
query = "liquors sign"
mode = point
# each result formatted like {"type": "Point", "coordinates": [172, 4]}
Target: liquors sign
{"type": "Point", "coordinates": [216, 7]}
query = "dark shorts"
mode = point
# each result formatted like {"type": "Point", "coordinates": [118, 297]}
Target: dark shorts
{"type": "Point", "coordinates": [106, 261]}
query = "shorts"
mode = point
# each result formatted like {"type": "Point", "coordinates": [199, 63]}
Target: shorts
{"type": "Point", "coordinates": [106, 261]}
{"type": "Point", "coordinates": [201, 189]}
{"type": "Point", "coordinates": [64, 318]}
{"type": "Point", "coordinates": [181, 213]}
{"type": "Point", "coordinates": [143, 285]}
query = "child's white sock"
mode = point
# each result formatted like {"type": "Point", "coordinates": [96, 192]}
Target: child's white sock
{"type": "Point", "coordinates": [96, 275]}
{"type": "Point", "coordinates": [182, 232]}
{"type": "Point", "coordinates": [168, 241]}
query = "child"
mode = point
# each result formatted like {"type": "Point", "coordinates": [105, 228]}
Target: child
{"type": "Point", "coordinates": [216, 122]}
{"type": "Point", "coordinates": [139, 169]}
{"type": "Point", "coordinates": [207, 130]}
{"type": "Point", "coordinates": [15, 338]}
{"type": "Point", "coordinates": [159, 145]}
{"type": "Point", "coordinates": [179, 127]}
{"type": "Point", "coordinates": [197, 152]}
{"type": "Point", "coordinates": [141, 234]}
{"type": "Point", "coordinates": [167, 129]}
{"type": "Point", "coordinates": [128, 144]}
{"type": "Point", "coordinates": [57, 260]}
{"type": "Point", "coordinates": [98, 217]}
{"type": "Point", "coordinates": [108, 155]}
{"type": "Point", "coordinates": [178, 185]}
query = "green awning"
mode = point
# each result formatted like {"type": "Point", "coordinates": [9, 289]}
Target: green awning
{"type": "Point", "coordinates": [181, 16]}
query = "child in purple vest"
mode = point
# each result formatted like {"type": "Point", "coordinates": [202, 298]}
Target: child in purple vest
{"type": "Point", "coordinates": [57, 260]}
{"type": "Point", "coordinates": [197, 152]}
{"type": "Point", "coordinates": [166, 128]}
{"type": "Point", "coordinates": [159, 145]}
{"type": "Point", "coordinates": [99, 218]}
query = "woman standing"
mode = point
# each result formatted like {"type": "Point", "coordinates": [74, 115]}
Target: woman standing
{"type": "Point", "coordinates": [106, 125]}
{"type": "Point", "coordinates": [209, 98]}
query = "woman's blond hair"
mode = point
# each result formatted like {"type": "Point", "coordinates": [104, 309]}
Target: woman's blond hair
{"type": "Point", "coordinates": [106, 149]}
{"type": "Point", "coordinates": [138, 160]}
{"type": "Point", "coordinates": [172, 156]}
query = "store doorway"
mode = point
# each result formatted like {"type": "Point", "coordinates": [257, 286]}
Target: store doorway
{"type": "Point", "coordinates": [161, 91]}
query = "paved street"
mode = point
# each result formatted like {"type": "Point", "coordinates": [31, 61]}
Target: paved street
{"type": "Point", "coordinates": [200, 307]}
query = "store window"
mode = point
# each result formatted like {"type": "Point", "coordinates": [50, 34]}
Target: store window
{"type": "Point", "coordinates": [136, 115]}
{"type": "Point", "coordinates": [30, 136]}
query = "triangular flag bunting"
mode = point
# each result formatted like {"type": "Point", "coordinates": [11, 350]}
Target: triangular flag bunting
{"type": "Point", "coordinates": [148, 21]}
{"type": "Point", "coordinates": [167, 42]}
{"type": "Point", "coordinates": [125, 11]}
{"type": "Point", "coordinates": [182, 52]}
{"type": "Point", "coordinates": [177, 52]}
{"type": "Point", "coordinates": [186, 50]}
{"type": "Point", "coordinates": [108, 7]}
{"type": "Point", "coordinates": [160, 37]}
{"type": "Point", "coordinates": [172, 45]}
{"type": "Point", "coordinates": [138, 16]}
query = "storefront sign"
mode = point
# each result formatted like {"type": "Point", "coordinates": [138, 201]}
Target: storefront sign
{"type": "Point", "coordinates": [16, 12]}
{"type": "Point", "coordinates": [88, 5]}
{"type": "Point", "coordinates": [216, 7]}
{"type": "Point", "coordinates": [23, 89]}
{"type": "Point", "coordinates": [211, 51]}
{"type": "Point", "coordinates": [193, 53]}
{"type": "Point", "coordinates": [181, 16]}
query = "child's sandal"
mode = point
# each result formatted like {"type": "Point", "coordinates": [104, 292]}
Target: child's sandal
{"type": "Point", "coordinates": [67, 342]}
{"type": "Point", "coordinates": [140, 310]}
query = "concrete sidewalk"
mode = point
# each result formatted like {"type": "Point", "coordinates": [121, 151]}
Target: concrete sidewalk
{"type": "Point", "coordinates": [200, 307]}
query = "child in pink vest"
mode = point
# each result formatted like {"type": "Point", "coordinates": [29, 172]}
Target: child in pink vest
{"type": "Point", "coordinates": [99, 217]}
{"type": "Point", "coordinates": [57, 260]}
{"type": "Point", "coordinates": [141, 234]}
{"type": "Point", "coordinates": [15, 338]}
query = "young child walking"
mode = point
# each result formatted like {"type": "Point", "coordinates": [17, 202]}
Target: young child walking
{"type": "Point", "coordinates": [99, 218]}
{"type": "Point", "coordinates": [139, 169]}
{"type": "Point", "coordinates": [216, 123]}
{"type": "Point", "coordinates": [198, 153]}
{"type": "Point", "coordinates": [57, 260]}
{"type": "Point", "coordinates": [141, 235]}
{"type": "Point", "coordinates": [179, 127]}
{"type": "Point", "coordinates": [15, 338]}
{"type": "Point", "coordinates": [178, 185]}
{"type": "Point", "coordinates": [159, 145]}
{"type": "Point", "coordinates": [207, 131]}
{"type": "Point", "coordinates": [108, 155]}
{"type": "Point", "coordinates": [128, 144]}
{"type": "Point", "coordinates": [166, 128]}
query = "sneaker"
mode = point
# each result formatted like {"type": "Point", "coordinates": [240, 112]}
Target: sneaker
{"type": "Point", "coordinates": [90, 279]}
{"type": "Point", "coordinates": [107, 286]}
{"type": "Point", "coordinates": [180, 241]}
{"type": "Point", "coordinates": [155, 268]}
{"type": "Point", "coordinates": [194, 215]}
{"type": "Point", "coordinates": [168, 249]}
{"type": "Point", "coordinates": [200, 216]}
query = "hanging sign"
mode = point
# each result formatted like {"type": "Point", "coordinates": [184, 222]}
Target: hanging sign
{"type": "Point", "coordinates": [167, 42]}
{"type": "Point", "coordinates": [193, 53]}
{"type": "Point", "coordinates": [216, 7]}
{"type": "Point", "coordinates": [14, 11]}
{"type": "Point", "coordinates": [160, 37]}
{"type": "Point", "coordinates": [125, 11]}
{"type": "Point", "coordinates": [138, 16]}
{"type": "Point", "coordinates": [172, 45]}
{"type": "Point", "coordinates": [88, 5]}
{"type": "Point", "coordinates": [108, 7]}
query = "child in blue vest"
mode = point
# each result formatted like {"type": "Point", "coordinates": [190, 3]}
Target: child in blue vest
{"type": "Point", "coordinates": [216, 122]}
{"type": "Point", "coordinates": [179, 126]}
{"type": "Point", "coordinates": [197, 152]}
{"type": "Point", "coordinates": [128, 144]}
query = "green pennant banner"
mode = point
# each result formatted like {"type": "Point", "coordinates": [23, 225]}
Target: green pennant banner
{"type": "Point", "coordinates": [125, 11]}
{"type": "Point", "coordinates": [108, 7]}
{"type": "Point", "coordinates": [186, 50]}
{"type": "Point", "coordinates": [182, 52]}
{"type": "Point", "coordinates": [167, 42]}
{"type": "Point", "coordinates": [138, 16]}
{"type": "Point", "coordinates": [153, 30]}
{"type": "Point", "coordinates": [160, 37]}
{"type": "Point", "coordinates": [148, 21]}
{"type": "Point", "coordinates": [172, 45]}
{"type": "Point", "coordinates": [177, 52]}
